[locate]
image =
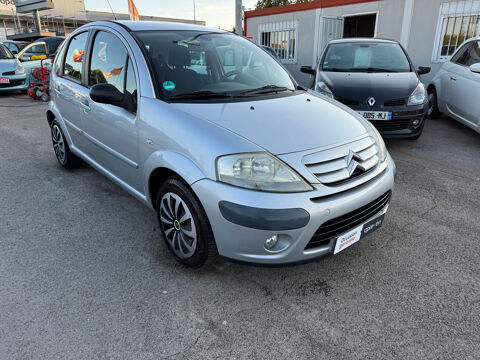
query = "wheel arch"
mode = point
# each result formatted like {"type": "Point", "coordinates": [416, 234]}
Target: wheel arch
{"type": "Point", "coordinates": [164, 164]}
{"type": "Point", "coordinates": [50, 117]}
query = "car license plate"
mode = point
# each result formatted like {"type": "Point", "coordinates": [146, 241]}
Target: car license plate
{"type": "Point", "coordinates": [376, 115]}
{"type": "Point", "coordinates": [4, 81]}
{"type": "Point", "coordinates": [355, 235]}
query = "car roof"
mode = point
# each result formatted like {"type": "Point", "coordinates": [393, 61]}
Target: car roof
{"type": "Point", "coordinates": [363, 40]}
{"type": "Point", "coordinates": [45, 39]}
{"type": "Point", "coordinates": [156, 25]}
{"type": "Point", "coordinates": [16, 42]}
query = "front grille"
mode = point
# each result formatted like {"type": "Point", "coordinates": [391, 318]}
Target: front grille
{"type": "Point", "coordinates": [395, 102]}
{"type": "Point", "coordinates": [8, 73]}
{"type": "Point", "coordinates": [408, 113]}
{"type": "Point", "coordinates": [391, 125]}
{"type": "Point", "coordinates": [332, 167]}
{"type": "Point", "coordinates": [349, 102]}
{"type": "Point", "coordinates": [12, 84]}
{"type": "Point", "coordinates": [338, 226]}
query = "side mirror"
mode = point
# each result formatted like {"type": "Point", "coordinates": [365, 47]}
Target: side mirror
{"type": "Point", "coordinates": [14, 52]}
{"type": "Point", "coordinates": [308, 70]}
{"type": "Point", "coordinates": [475, 68]}
{"type": "Point", "coordinates": [109, 94]}
{"type": "Point", "coordinates": [422, 70]}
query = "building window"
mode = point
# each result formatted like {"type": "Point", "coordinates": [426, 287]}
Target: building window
{"type": "Point", "coordinates": [458, 21]}
{"type": "Point", "coordinates": [282, 38]}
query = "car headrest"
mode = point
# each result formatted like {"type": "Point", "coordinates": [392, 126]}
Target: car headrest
{"type": "Point", "coordinates": [179, 56]}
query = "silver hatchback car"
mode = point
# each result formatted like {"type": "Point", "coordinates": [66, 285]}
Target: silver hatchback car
{"type": "Point", "coordinates": [214, 134]}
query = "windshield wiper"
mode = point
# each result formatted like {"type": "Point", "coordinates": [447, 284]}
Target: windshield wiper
{"type": "Point", "coordinates": [336, 69]}
{"type": "Point", "coordinates": [373, 69]}
{"type": "Point", "coordinates": [199, 95]}
{"type": "Point", "coordinates": [265, 90]}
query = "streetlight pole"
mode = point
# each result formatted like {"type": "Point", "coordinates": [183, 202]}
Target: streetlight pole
{"type": "Point", "coordinates": [238, 17]}
{"type": "Point", "coordinates": [194, 16]}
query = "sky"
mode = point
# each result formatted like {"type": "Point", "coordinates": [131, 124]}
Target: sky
{"type": "Point", "coordinates": [217, 13]}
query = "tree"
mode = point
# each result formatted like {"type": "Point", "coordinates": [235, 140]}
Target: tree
{"type": "Point", "coordinates": [262, 4]}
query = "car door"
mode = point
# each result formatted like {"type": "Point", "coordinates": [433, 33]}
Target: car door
{"type": "Point", "coordinates": [68, 86]}
{"type": "Point", "coordinates": [470, 87]}
{"type": "Point", "coordinates": [111, 130]}
{"type": "Point", "coordinates": [458, 87]}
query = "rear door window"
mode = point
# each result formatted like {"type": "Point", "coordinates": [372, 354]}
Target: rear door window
{"type": "Point", "coordinates": [72, 69]}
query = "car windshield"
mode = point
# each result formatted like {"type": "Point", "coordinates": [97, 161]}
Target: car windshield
{"type": "Point", "coordinates": [365, 57]}
{"type": "Point", "coordinates": [211, 65]}
{"type": "Point", "coordinates": [5, 53]}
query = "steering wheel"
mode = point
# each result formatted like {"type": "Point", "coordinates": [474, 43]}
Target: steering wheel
{"type": "Point", "coordinates": [232, 73]}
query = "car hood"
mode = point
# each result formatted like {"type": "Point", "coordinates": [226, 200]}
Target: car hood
{"type": "Point", "coordinates": [8, 65]}
{"type": "Point", "coordinates": [284, 124]}
{"type": "Point", "coordinates": [360, 86]}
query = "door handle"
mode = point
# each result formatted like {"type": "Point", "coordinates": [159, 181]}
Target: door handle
{"type": "Point", "coordinates": [453, 78]}
{"type": "Point", "coordinates": [58, 88]}
{"type": "Point", "coordinates": [85, 104]}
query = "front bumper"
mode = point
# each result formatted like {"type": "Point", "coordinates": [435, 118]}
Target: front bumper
{"type": "Point", "coordinates": [402, 123]}
{"type": "Point", "coordinates": [245, 243]}
{"type": "Point", "coordinates": [17, 82]}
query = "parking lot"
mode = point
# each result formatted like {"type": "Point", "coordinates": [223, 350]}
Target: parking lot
{"type": "Point", "coordinates": [84, 272]}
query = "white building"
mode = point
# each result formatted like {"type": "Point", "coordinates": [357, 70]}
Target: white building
{"type": "Point", "coordinates": [430, 30]}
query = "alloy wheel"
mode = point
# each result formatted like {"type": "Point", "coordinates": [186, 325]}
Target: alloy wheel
{"type": "Point", "coordinates": [58, 144]}
{"type": "Point", "coordinates": [178, 225]}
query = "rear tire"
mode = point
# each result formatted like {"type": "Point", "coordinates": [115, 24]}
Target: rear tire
{"type": "Point", "coordinates": [433, 112]}
{"type": "Point", "coordinates": [184, 224]}
{"type": "Point", "coordinates": [62, 151]}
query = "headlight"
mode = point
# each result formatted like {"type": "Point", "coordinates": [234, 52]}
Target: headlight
{"type": "Point", "coordinates": [259, 171]}
{"type": "Point", "coordinates": [419, 96]}
{"type": "Point", "coordinates": [382, 149]}
{"type": "Point", "coordinates": [20, 69]}
{"type": "Point", "coordinates": [322, 88]}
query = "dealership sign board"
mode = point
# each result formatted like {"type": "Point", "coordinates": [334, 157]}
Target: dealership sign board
{"type": "Point", "coordinates": [24, 6]}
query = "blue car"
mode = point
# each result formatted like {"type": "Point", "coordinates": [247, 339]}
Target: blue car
{"type": "Point", "coordinates": [12, 72]}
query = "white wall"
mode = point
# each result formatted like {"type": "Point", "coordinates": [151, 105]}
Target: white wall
{"type": "Point", "coordinates": [306, 26]}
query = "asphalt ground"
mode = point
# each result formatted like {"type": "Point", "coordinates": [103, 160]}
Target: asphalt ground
{"type": "Point", "coordinates": [84, 273]}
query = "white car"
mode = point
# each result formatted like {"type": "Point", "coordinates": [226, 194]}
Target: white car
{"type": "Point", "coordinates": [454, 89]}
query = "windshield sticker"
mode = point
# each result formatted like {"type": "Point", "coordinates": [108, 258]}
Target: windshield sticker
{"type": "Point", "coordinates": [169, 85]}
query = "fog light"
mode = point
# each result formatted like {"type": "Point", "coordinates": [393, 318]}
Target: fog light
{"type": "Point", "coordinates": [416, 122]}
{"type": "Point", "coordinates": [271, 242]}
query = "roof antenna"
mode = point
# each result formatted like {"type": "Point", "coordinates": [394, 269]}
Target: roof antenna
{"type": "Point", "coordinates": [111, 10]}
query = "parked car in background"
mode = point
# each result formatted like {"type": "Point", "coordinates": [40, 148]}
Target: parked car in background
{"type": "Point", "coordinates": [455, 89]}
{"type": "Point", "coordinates": [241, 162]}
{"type": "Point", "coordinates": [12, 72]}
{"type": "Point", "coordinates": [52, 42]}
{"type": "Point", "coordinates": [15, 46]}
{"type": "Point", "coordinates": [31, 62]}
{"type": "Point", "coordinates": [376, 78]}
{"type": "Point", "coordinates": [42, 48]}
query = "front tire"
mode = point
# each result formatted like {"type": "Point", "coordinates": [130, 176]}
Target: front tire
{"type": "Point", "coordinates": [433, 112]}
{"type": "Point", "coordinates": [62, 151]}
{"type": "Point", "coordinates": [184, 224]}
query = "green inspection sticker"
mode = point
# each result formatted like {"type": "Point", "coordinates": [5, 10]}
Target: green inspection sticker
{"type": "Point", "coordinates": [169, 85]}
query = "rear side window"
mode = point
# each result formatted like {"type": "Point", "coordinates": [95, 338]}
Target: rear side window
{"type": "Point", "coordinates": [462, 55]}
{"type": "Point", "coordinates": [58, 60]}
{"type": "Point", "coordinates": [109, 58]}
{"type": "Point", "coordinates": [75, 56]}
